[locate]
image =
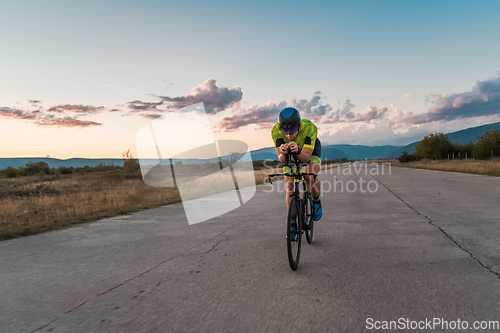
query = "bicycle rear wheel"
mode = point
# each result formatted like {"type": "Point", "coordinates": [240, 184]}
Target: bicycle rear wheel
{"type": "Point", "coordinates": [308, 217]}
{"type": "Point", "coordinates": [293, 246]}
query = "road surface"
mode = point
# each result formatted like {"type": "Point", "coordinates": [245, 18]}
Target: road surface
{"type": "Point", "coordinates": [408, 246]}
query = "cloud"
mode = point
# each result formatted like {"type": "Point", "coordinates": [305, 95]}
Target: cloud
{"type": "Point", "coordinates": [115, 87]}
{"type": "Point", "coordinates": [82, 109]}
{"type": "Point", "coordinates": [265, 116]}
{"type": "Point", "coordinates": [345, 115]}
{"type": "Point", "coordinates": [149, 115]}
{"type": "Point", "coordinates": [371, 113]}
{"type": "Point", "coordinates": [216, 99]}
{"type": "Point", "coordinates": [341, 115]}
{"type": "Point", "coordinates": [67, 121]}
{"type": "Point", "coordinates": [142, 106]}
{"type": "Point", "coordinates": [396, 117]}
{"type": "Point", "coordinates": [482, 100]}
{"type": "Point", "coordinates": [312, 109]}
{"type": "Point", "coordinates": [10, 113]}
{"type": "Point", "coordinates": [42, 118]}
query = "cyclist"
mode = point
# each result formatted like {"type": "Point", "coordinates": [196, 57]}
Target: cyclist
{"type": "Point", "coordinates": [292, 134]}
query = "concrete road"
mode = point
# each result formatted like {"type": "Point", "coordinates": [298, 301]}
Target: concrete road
{"type": "Point", "coordinates": [408, 246]}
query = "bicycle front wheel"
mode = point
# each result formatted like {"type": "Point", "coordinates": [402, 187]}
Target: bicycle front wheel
{"type": "Point", "coordinates": [293, 238]}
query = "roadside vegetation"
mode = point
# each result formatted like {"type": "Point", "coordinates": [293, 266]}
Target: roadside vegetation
{"type": "Point", "coordinates": [36, 198]}
{"type": "Point", "coordinates": [481, 167]}
{"type": "Point", "coordinates": [439, 147]}
{"type": "Point", "coordinates": [437, 152]}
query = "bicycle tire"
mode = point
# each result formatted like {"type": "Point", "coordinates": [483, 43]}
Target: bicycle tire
{"type": "Point", "coordinates": [293, 247]}
{"type": "Point", "coordinates": [308, 217]}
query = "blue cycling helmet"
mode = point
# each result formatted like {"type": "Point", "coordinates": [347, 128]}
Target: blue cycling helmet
{"type": "Point", "coordinates": [289, 120]}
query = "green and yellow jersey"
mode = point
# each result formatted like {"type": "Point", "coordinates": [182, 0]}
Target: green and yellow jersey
{"type": "Point", "coordinates": [305, 139]}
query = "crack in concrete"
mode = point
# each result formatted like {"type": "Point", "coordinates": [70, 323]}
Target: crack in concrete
{"type": "Point", "coordinates": [79, 306]}
{"type": "Point", "coordinates": [149, 270]}
{"type": "Point", "coordinates": [187, 252]}
{"type": "Point", "coordinates": [38, 329]}
{"type": "Point", "coordinates": [215, 245]}
{"type": "Point", "coordinates": [431, 222]}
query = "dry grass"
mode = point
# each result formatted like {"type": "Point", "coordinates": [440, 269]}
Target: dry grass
{"type": "Point", "coordinates": [480, 167]}
{"type": "Point", "coordinates": [31, 205]}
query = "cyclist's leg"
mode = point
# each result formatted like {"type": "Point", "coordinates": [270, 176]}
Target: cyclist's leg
{"type": "Point", "coordinates": [313, 186]}
{"type": "Point", "coordinates": [289, 190]}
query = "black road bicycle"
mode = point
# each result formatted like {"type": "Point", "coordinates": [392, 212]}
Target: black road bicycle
{"type": "Point", "coordinates": [300, 205]}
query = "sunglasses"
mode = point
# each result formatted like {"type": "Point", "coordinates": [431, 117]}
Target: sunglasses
{"type": "Point", "coordinates": [290, 131]}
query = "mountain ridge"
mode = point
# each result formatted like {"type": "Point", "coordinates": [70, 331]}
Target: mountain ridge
{"type": "Point", "coordinates": [328, 152]}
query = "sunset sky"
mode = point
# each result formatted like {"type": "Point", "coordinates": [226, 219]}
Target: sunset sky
{"type": "Point", "coordinates": [79, 79]}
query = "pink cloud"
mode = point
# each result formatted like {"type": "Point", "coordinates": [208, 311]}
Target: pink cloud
{"type": "Point", "coordinates": [215, 98]}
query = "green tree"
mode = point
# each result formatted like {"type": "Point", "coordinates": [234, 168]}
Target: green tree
{"type": "Point", "coordinates": [11, 172]}
{"type": "Point", "coordinates": [434, 146]}
{"type": "Point", "coordinates": [405, 157]}
{"type": "Point", "coordinates": [468, 149]}
{"type": "Point", "coordinates": [130, 164]}
{"type": "Point", "coordinates": [40, 168]}
{"type": "Point", "coordinates": [487, 142]}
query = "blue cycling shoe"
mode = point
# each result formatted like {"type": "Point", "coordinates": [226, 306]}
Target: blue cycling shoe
{"type": "Point", "coordinates": [317, 211]}
{"type": "Point", "coordinates": [293, 233]}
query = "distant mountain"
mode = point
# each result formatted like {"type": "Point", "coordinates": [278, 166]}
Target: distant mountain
{"type": "Point", "coordinates": [81, 162]}
{"type": "Point", "coordinates": [332, 153]}
{"type": "Point", "coordinates": [351, 152]}
{"type": "Point", "coordinates": [55, 163]}
{"type": "Point", "coordinates": [358, 152]}
{"type": "Point", "coordinates": [462, 136]}
{"type": "Point", "coordinates": [269, 153]}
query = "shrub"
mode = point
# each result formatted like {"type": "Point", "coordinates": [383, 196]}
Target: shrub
{"type": "Point", "coordinates": [405, 157]}
{"type": "Point", "coordinates": [434, 146]}
{"type": "Point", "coordinates": [65, 170]}
{"type": "Point", "coordinates": [31, 169]}
{"type": "Point", "coordinates": [468, 149]}
{"type": "Point", "coordinates": [486, 143]}
{"type": "Point", "coordinates": [11, 172]}
{"type": "Point", "coordinates": [130, 164]}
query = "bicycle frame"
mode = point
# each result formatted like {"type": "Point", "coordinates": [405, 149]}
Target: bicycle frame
{"type": "Point", "coordinates": [297, 178]}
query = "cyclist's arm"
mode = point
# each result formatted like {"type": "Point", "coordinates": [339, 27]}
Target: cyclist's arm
{"type": "Point", "coordinates": [279, 143]}
{"type": "Point", "coordinates": [309, 142]}
{"type": "Point", "coordinates": [281, 156]}
{"type": "Point", "coordinates": [305, 154]}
